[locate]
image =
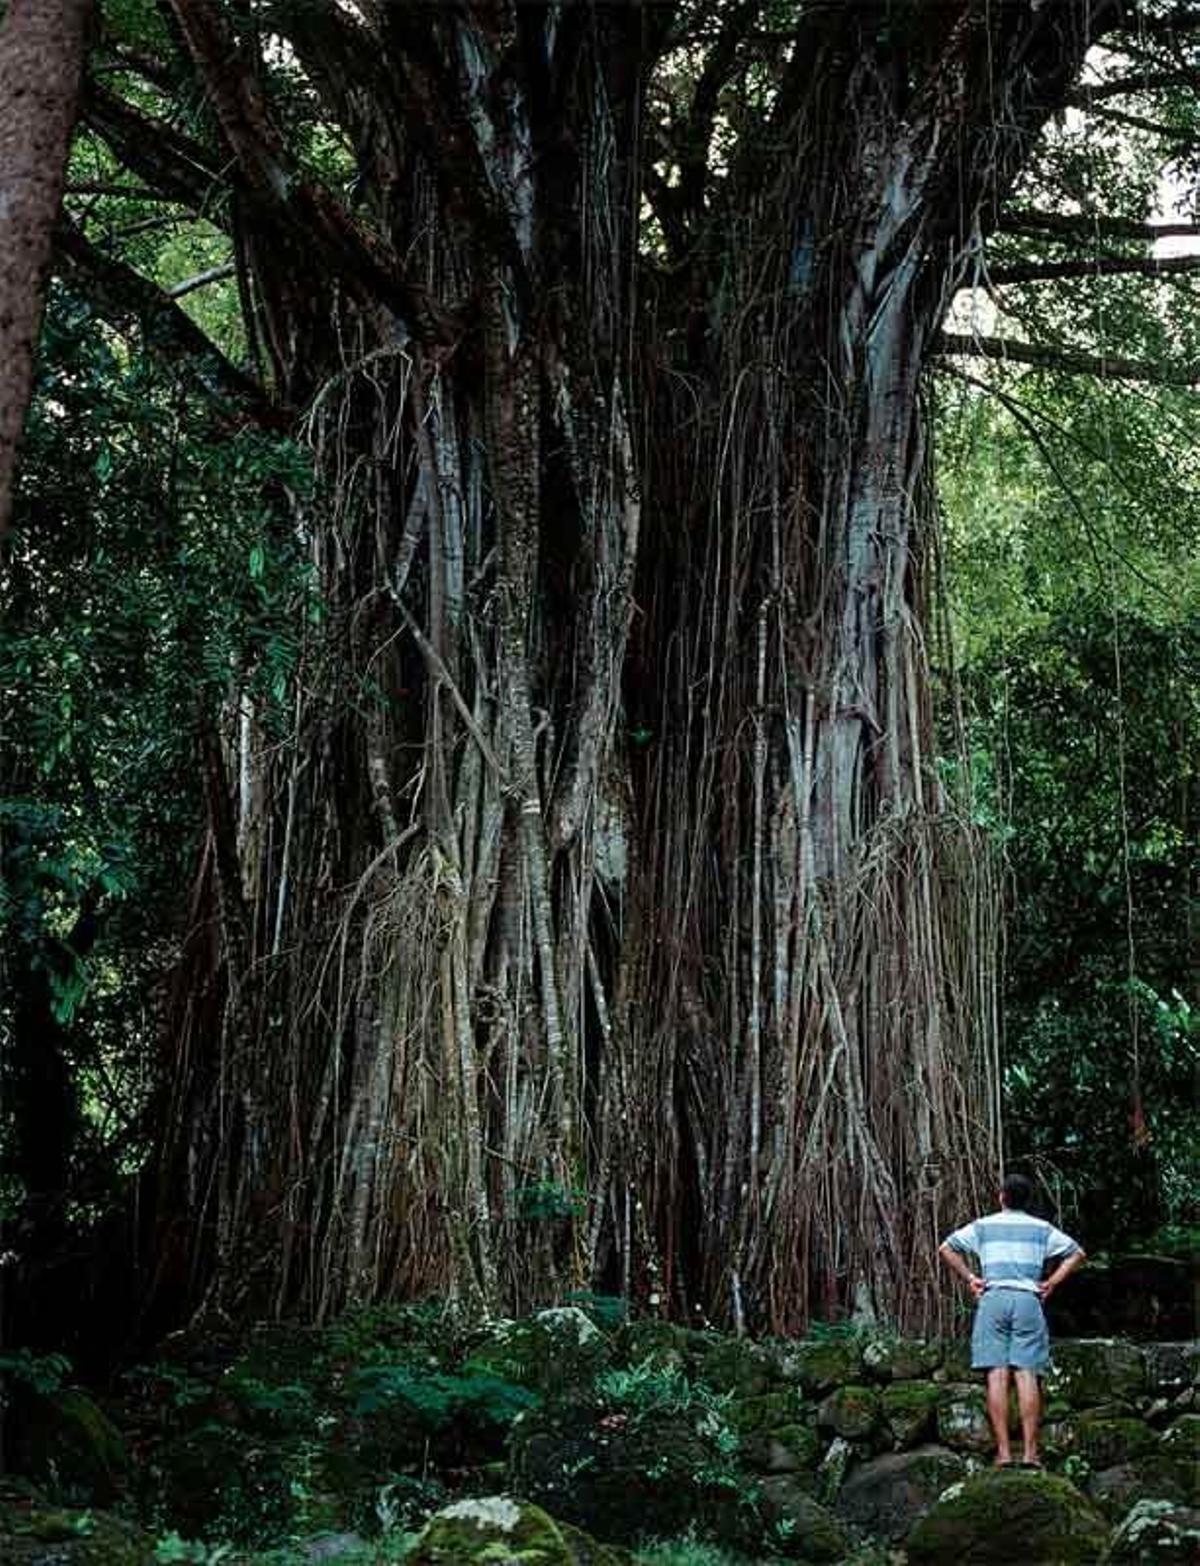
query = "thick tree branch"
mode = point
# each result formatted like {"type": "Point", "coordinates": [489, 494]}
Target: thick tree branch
{"type": "Point", "coordinates": [1087, 225]}
{"type": "Point", "coordinates": [1094, 266]}
{"type": "Point", "coordinates": [128, 300]}
{"type": "Point", "coordinates": [1069, 361]}
{"type": "Point", "coordinates": [172, 163]}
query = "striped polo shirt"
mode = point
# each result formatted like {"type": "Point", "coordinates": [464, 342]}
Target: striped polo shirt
{"type": "Point", "coordinates": [1013, 1247]}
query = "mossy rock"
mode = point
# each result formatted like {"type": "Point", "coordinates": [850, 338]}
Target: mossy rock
{"type": "Point", "coordinates": [1000, 1517]}
{"type": "Point", "coordinates": [620, 1474]}
{"type": "Point", "coordinates": [910, 1410]}
{"type": "Point", "coordinates": [887, 1495]}
{"type": "Point", "coordinates": [1088, 1371]}
{"type": "Point", "coordinates": [1106, 1442]}
{"type": "Point", "coordinates": [901, 1359]}
{"type": "Point", "coordinates": [772, 1409]}
{"type": "Point", "coordinates": [738, 1366]}
{"type": "Point", "coordinates": [788, 1449]}
{"type": "Point", "coordinates": [36, 1535]}
{"type": "Point", "coordinates": [1156, 1533]}
{"type": "Point", "coordinates": [1152, 1477]}
{"type": "Point", "coordinates": [819, 1364]}
{"type": "Point", "coordinates": [1170, 1367]}
{"type": "Point", "coordinates": [556, 1351]}
{"type": "Point", "coordinates": [954, 1360]}
{"type": "Point", "coordinates": [801, 1529]}
{"type": "Point", "coordinates": [1182, 1438]}
{"type": "Point", "coordinates": [962, 1421]}
{"type": "Point", "coordinates": [65, 1439]}
{"type": "Point", "coordinates": [660, 1344]}
{"type": "Point", "coordinates": [506, 1532]}
{"type": "Point", "coordinates": [850, 1411]}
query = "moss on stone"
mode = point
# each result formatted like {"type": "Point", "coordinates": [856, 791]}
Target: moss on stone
{"type": "Point", "coordinates": [35, 1535]}
{"type": "Point", "coordinates": [1091, 1371]}
{"type": "Point", "coordinates": [888, 1494]}
{"type": "Point", "coordinates": [771, 1409]}
{"type": "Point", "coordinates": [909, 1410]}
{"type": "Point", "coordinates": [1000, 1517]}
{"type": "Point", "coordinates": [901, 1359]}
{"type": "Point", "coordinates": [851, 1412]}
{"type": "Point", "coordinates": [490, 1528]}
{"type": "Point", "coordinates": [738, 1366]}
{"type": "Point", "coordinates": [962, 1421]}
{"type": "Point", "coordinates": [801, 1528]}
{"type": "Point", "coordinates": [1106, 1442]}
{"type": "Point", "coordinates": [65, 1436]}
{"type": "Point", "coordinates": [819, 1364]}
{"type": "Point", "coordinates": [555, 1351]}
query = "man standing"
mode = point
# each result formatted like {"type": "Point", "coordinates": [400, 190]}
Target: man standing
{"type": "Point", "coordinates": [1010, 1333]}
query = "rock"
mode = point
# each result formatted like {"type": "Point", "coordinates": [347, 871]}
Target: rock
{"type": "Point", "coordinates": [954, 1356]}
{"type": "Point", "coordinates": [850, 1411]}
{"type": "Point", "coordinates": [1170, 1367]}
{"type": "Point", "coordinates": [554, 1351]}
{"type": "Point", "coordinates": [886, 1496]}
{"type": "Point", "coordinates": [1106, 1442]}
{"type": "Point", "coordinates": [330, 1546]}
{"type": "Point", "coordinates": [1116, 1489]}
{"type": "Point", "coordinates": [909, 1410]}
{"type": "Point", "coordinates": [32, 1534]}
{"type": "Point", "coordinates": [1088, 1371]}
{"type": "Point", "coordinates": [504, 1532]}
{"type": "Point", "coordinates": [767, 1412]}
{"type": "Point", "coordinates": [901, 1359]}
{"type": "Point", "coordinates": [65, 1438]}
{"type": "Point", "coordinates": [962, 1421]}
{"type": "Point", "coordinates": [660, 1344]}
{"type": "Point", "coordinates": [801, 1528]}
{"type": "Point", "coordinates": [819, 1364]}
{"type": "Point", "coordinates": [787, 1450]}
{"type": "Point", "coordinates": [620, 1472]}
{"type": "Point", "coordinates": [739, 1366]}
{"type": "Point", "coordinates": [833, 1469]}
{"type": "Point", "coordinates": [1004, 1516]}
{"type": "Point", "coordinates": [1155, 1533]}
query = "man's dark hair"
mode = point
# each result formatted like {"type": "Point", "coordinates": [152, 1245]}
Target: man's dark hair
{"type": "Point", "coordinates": [1018, 1191]}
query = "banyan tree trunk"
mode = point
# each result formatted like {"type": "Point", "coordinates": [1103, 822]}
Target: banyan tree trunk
{"type": "Point", "coordinates": [602, 920]}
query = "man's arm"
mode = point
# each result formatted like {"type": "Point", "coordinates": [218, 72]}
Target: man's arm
{"type": "Point", "coordinates": [1065, 1268]}
{"type": "Point", "coordinates": [956, 1264]}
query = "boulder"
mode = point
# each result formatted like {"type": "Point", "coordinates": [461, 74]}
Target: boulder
{"type": "Point", "coordinates": [788, 1449]}
{"type": "Point", "coordinates": [900, 1359]}
{"type": "Point", "coordinates": [909, 1410]}
{"type": "Point", "coordinates": [1105, 1442]}
{"type": "Point", "coordinates": [622, 1472]}
{"type": "Point", "coordinates": [1003, 1516]}
{"type": "Point", "coordinates": [768, 1412]}
{"type": "Point", "coordinates": [1154, 1534]}
{"type": "Point", "coordinates": [65, 1438]}
{"type": "Point", "coordinates": [736, 1365]}
{"type": "Point", "coordinates": [34, 1534]}
{"type": "Point", "coordinates": [1088, 1371]}
{"type": "Point", "coordinates": [554, 1351]}
{"type": "Point", "coordinates": [659, 1343]}
{"type": "Point", "coordinates": [962, 1421]}
{"type": "Point", "coordinates": [851, 1412]}
{"type": "Point", "coordinates": [504, 1532]}
{"type": "Point", "coordinates": [1170, 1367]}
{"type": "Point", "coordinates": [801, 1529]}
{"type": "Point", "coordinates": [1152, 1477]}
{"type": "Point", "coordinates": [819, 1364]}
{"type": "Point", "coordinates": [886, 1496]}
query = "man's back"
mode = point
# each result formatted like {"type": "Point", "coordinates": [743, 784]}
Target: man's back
{"type": "Point", "coordinates": [1013, 1247]}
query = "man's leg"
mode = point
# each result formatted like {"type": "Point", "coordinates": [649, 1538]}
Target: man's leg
{"type": "Point", "coordinates": [1029, 1400]}
{"type": "Point", "coordinates": [997, 1407]}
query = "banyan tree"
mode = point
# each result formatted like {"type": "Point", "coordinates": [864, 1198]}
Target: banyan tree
{"type": "Point", "coordinates": [600, 918]}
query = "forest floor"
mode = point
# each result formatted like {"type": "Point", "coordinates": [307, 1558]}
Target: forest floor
{"type": "Point", "coordinates": [575, 1438]}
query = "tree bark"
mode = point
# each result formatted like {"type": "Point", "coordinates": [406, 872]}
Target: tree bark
{"type": "Point", "coordinates": [42, 45]}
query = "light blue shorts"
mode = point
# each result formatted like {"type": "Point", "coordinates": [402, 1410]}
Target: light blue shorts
{"type": "Point", "coordinates": [1010, 1329]}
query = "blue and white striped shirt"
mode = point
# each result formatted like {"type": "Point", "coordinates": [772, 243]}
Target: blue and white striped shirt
{"type": "Point", "coordinates": [1013, 1247]}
